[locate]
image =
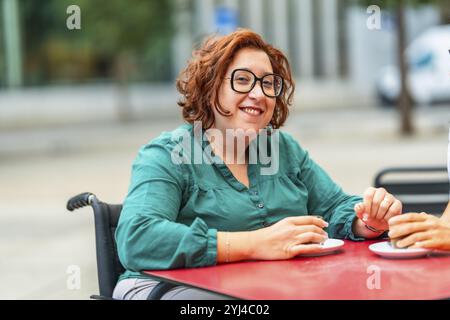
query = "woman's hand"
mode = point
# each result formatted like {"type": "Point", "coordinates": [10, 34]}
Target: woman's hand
{"type": "Point", "coordinates": [288, 238]}
{"type": "Point", "coordinates": [420, 230]}
{"type": "Point", "coordinates": [378, 207]}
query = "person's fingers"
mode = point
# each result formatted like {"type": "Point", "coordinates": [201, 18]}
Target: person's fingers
{"type": "Point", "coordinates": [426, 244]}
{"type": "Point", "coordinates": [309, 237]}
{"type": "Point", "coordinates": [359, 210]}
{"type": "Point", "coordinates": [394, 210]}
{"type": "Point", "coordinates": [308, 220]}
{"type": "Point", "coordinates": [408, 217]}
{"type": "Point", "coordinates": [320, 222]}
{"type": "Point", "coordinates": [368, 197]}
{"type": "Point", "coordinates": [405, 229]}
{"type": "Point", "coordinates": [412, 239]}
{"type": "Point", "coordinates": [305, 249]}
{"type": "Point", "coordinates": [311, 228]}
{"type": "Point", "coordinates": [378, 197]}
{"type": "Point", "coordinates": [384, 206]}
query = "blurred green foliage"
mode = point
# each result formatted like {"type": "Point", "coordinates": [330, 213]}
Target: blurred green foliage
{"type": "Point", "coordinates": [125, 40]}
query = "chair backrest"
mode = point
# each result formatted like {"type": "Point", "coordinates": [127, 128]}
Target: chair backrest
{"type": "Point", "coordinates": [106, 218]}
{"type": "Point", "coordinates": [109, 268]}
{"type": "Point", "coordinates": [419, 188]}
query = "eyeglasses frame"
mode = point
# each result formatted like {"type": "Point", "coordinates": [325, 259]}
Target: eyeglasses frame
{"type": "Point", "coordinates": [256, 78]}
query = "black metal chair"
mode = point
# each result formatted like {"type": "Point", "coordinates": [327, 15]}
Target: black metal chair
{"type": "Point", "coordinates": [109, 268]}
{"type": "Point", "coordinates": [421, 189]}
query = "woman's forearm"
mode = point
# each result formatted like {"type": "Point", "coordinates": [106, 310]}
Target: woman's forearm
{"type": "Point", "coordinates": [234, 246]}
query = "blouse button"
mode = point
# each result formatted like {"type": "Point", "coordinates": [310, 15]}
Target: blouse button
{"type": "Point", "coordinates": [261, 205]}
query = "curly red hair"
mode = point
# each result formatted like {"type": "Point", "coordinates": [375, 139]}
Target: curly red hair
{"type": "Point", "coordinates": [200, 81]}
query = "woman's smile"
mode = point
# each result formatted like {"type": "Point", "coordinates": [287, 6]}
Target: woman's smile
{"type": "Point", "coordinates": [252, 111]}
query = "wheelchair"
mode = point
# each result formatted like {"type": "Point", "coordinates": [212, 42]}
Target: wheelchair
{"type": "Point", "coordinates": [109, 268]}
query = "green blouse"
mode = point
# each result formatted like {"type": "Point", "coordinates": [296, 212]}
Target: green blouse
{"type": "Point", "coordinates": [173, 211]}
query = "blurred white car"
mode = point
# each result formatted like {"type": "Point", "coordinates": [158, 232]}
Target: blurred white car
{"type": "Point", "coordinates": [428, 59]}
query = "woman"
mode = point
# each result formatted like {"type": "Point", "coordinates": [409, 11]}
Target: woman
{"type": "Point", "coordinates": [183, 213]}
{"type": "Point", "coordinates": [421, 230]}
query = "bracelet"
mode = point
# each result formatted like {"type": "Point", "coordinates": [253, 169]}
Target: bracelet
{"type": "Point", "coordinates": [227, 242]}
{"type": "Point", "coordinates": [373, 229]}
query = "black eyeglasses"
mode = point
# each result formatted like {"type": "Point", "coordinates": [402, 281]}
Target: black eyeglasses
{"type": "Point", "coordinates": [243, 81]}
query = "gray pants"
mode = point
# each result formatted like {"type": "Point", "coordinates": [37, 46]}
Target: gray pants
{"type": "Point", "coordinates": [139, 289]}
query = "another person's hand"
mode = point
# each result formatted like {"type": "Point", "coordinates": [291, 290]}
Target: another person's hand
{"type": "Point", "coordinates": [420, 230]}
{"type": "Point", "coordinates": [289, 237]}
{"type": "Point", "coordinates": [377, 208]}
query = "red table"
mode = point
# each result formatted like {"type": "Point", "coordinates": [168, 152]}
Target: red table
{"type": "Point", "coordinates": [350, 274]}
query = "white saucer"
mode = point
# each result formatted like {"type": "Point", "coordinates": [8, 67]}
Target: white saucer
{"type": "Point", "coordinates": [385, 249]}
{"type": "Point", "coordinates": [440, 253]}
{"type": "Point", "coordinates": [328, 247]}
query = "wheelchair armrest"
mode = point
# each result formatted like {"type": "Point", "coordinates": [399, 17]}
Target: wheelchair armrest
{"type": "Point", "coordinates": [159, 290]}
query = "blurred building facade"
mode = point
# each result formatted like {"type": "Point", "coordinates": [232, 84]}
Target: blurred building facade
{"type": "Point", "coordinates": [138, 43]}
{"type": "Point", "coordinates": [323, 39]}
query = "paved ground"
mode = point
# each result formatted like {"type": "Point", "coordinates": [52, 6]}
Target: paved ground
{"type": "Point", "coordinates": [41, 169]}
